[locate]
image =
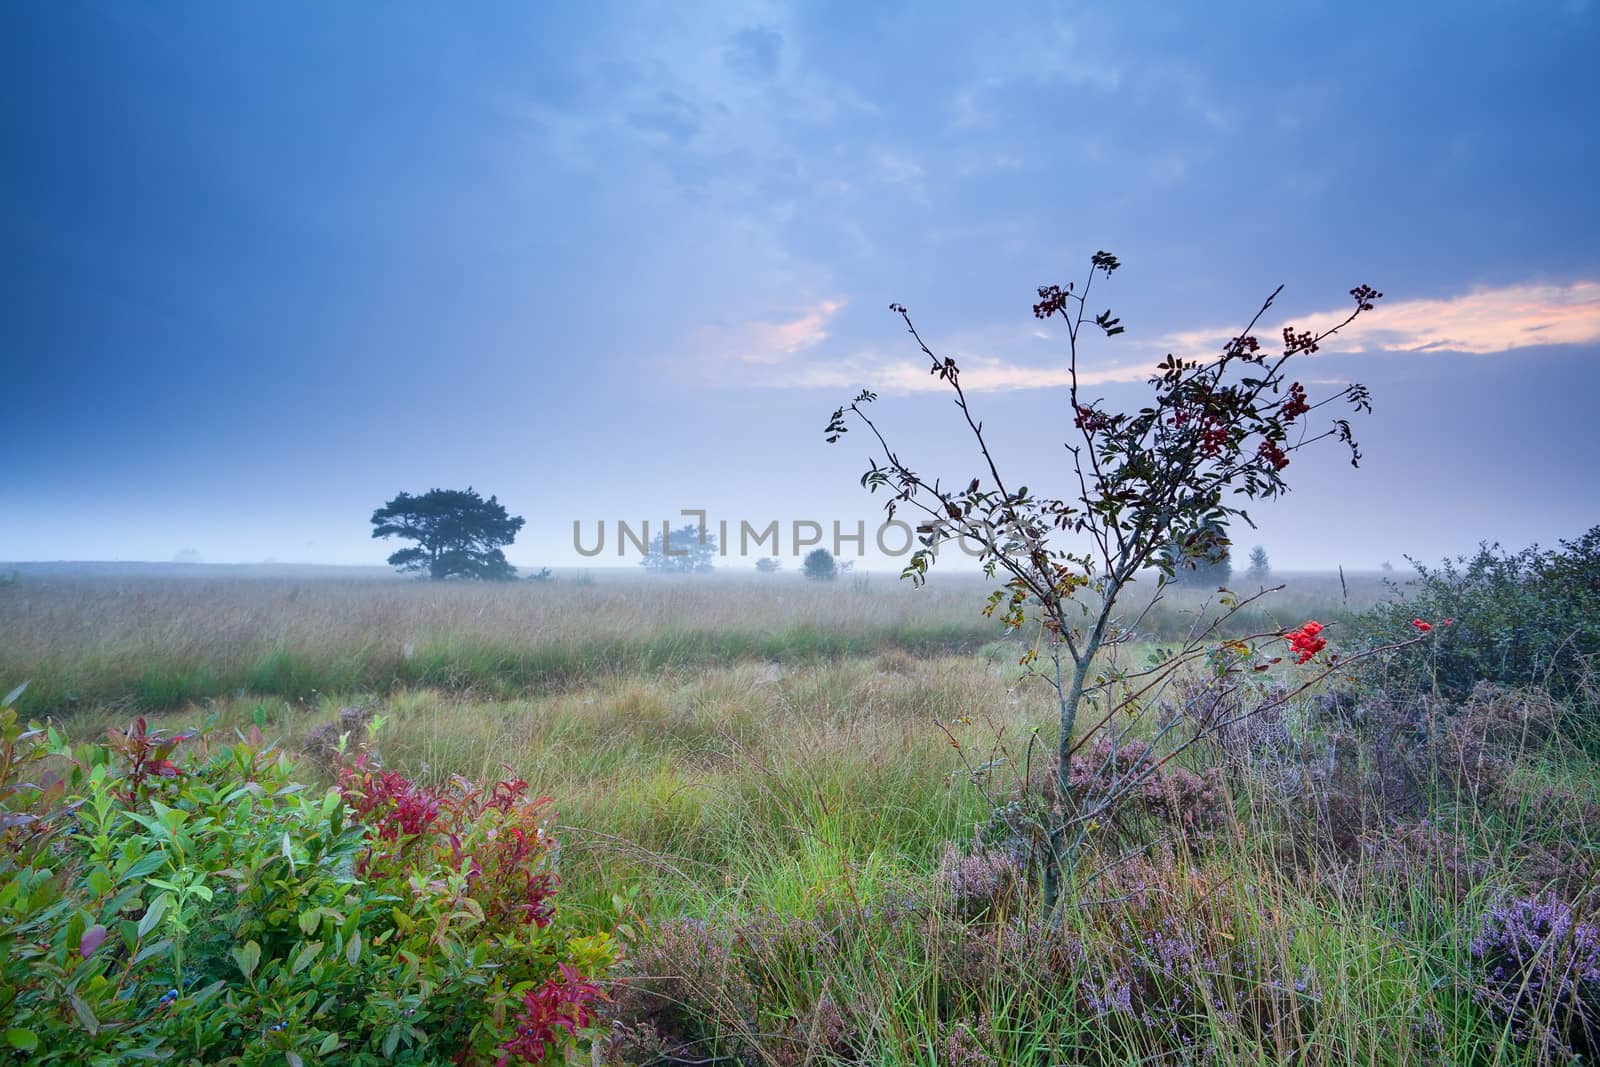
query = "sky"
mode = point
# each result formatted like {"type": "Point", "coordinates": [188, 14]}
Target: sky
{"type": "Point", "coordinates": [267, 265]}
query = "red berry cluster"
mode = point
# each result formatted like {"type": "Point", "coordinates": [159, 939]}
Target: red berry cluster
{"type": "Point", "coordinates": [1305, 641]}
{"type": "Point", "coordinates": [1296, 405]}
{"type": "Point", "coordinates": [1052, 298]}
{"type": "Point", "coordinates": [1213, 437]}
{"type": "Point", "coordinates": [1269, 451]}
{"type": "Point", "coordinates": [1305, 341]}
{"type": "Point", "coordinates": [1090, 419]}
{"type": "Point", "coordinates": [1365, 295]}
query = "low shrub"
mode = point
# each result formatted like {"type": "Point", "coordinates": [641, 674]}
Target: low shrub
{"type": "Point", "coordinates": [1522, 618]}
{"type": "Point", "coordinates": [179, 898]}
{"type": "Point", "coordinates": [1539, 971]}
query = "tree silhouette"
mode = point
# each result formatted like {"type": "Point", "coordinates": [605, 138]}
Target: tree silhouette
{"type": "Point", "coordinates": [1153, 487]}
{"type": "Point", "coordinates": [686, 550]}
{"type": "Point", "coordinates": [821, 566]}
{"type": "Point", "coordinates": [458, 534]}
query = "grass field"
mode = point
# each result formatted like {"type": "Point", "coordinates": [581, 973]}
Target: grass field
{"type": "Point", "coordinates": [821, 879]}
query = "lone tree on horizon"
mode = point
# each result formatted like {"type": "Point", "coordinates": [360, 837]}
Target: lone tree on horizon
{"type": "Point", "coordinates": [458, 534]}
{"type": "Point", "coordinates": [687, 550]}
{"type": "Point", "coordinates": [820, 566]}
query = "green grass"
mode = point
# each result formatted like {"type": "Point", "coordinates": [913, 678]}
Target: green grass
{"type": "Point", "coordinates": [744, 767]}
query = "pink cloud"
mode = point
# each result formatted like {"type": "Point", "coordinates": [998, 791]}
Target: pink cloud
{"type": "Point", "coordinates": [768, 343]}
{"type": "Point", "coordinates": [1483, 322]}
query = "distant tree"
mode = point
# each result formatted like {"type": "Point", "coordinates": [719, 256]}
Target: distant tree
{"type": "Point", "coordinates": [820, 565]}
{"type": "Point", "coordinates": [458, 534]}
{"type": "Point", "coordinates": [188, 555]}
{"type": "Point", "coordinates": [681, 551]}
{"type": "Point", "coordinates": [769, 565]}
{"type": "Point", "coordinates": [1260, 568]}
{"type": "Point", "coordinates": [543, 574]}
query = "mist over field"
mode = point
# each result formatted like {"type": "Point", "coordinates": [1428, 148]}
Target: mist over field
{"type": "Point", "coordinates": [774, 534]}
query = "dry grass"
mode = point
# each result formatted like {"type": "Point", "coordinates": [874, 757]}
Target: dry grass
{"type": "Point", "coordinates": [151, 643]}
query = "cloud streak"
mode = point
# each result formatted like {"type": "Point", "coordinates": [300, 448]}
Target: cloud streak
{"type": "Point", "coordinates": [772, 341]}
{"type": "Point", "coordinates": [1484, 322]}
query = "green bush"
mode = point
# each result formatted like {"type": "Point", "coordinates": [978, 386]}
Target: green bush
{"type": "Point", "coordinates": [1517, 618]}
{"type": "Point", "coordinates": [176, 898]}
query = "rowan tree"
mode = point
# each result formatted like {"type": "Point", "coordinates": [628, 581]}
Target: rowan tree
{"type": "Point", "coordinates": [1150, 488]}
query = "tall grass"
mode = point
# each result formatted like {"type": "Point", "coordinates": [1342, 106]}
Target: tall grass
{"type": "Point", "coordinates": [760, 760]}
{"type": "Point", "coordinates": [152, 643]}
{"type": "Point", "coordinates": [805, 810]}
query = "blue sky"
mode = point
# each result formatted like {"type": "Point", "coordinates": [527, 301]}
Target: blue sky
{"type": "Point", "coordinates": [267, 265]}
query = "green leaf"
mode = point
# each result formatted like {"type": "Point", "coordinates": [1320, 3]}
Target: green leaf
{"type": "Point", "coordinates": [352, 949]}
{"type": "Point", "coordinates": [144, 865]}
{"type": "Point", "coordinates": [294, 1059]}
{"type": "Point", "coordinates": [208, 992]}
{"type": "Point", "coordinates": [303, 957]}
{"type": "Point", "coordinates": [18, 1038]}
{"type": "Point", "coordinates": [329, 1043]}
{"type": "Point", "coordinates": [154, 948]}
{"type": "Point", "coordinates": [391, 1041]}
{"type": "Point", "coordinates": [11, 698]}
{"type": "Point", "coordinates": [153, 914]}
{"type": "Point", "coordinates": [85, 1015]}
{"type": "Point", "coordinates": [247, 956]}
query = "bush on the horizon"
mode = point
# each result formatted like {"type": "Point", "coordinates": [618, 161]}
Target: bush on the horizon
{"type": "Point", "coordinates": [820, 566]}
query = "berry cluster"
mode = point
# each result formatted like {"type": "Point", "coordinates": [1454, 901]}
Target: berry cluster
{"type": "Point", "coordinates": [1306, 642]}
{"type": "Point", "coordinates": [1365, 295]}
{"type": "Point", "coordinates": [1305, 341]}
{"type": "Point", "coordinates": [1269, 451]}
{"type": "Point", "coordinates": [1090, 419]}
{"type": "Point", "coordinates": [1052, 298]}
{"type": "Point", "coordinates": [1296, 405]}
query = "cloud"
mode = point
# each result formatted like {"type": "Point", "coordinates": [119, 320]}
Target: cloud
{"type": "Point", "coordinates": [1486, 321]}
{"type": "Point", "coordinates": [983, 374]}
{"type": "Point", "coordinates": [772, 341]}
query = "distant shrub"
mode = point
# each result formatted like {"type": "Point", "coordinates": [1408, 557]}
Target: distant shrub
{"type": "Point", "coordinates": [173, 897]}
{"type": "Point", "coordinates": [820, 565]}
{"type": "Point", "coordinates": [1530, 617]}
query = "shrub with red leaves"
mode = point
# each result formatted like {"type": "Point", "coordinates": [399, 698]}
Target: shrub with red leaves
{"type": "Point", "coordinates": [547, 1010]}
